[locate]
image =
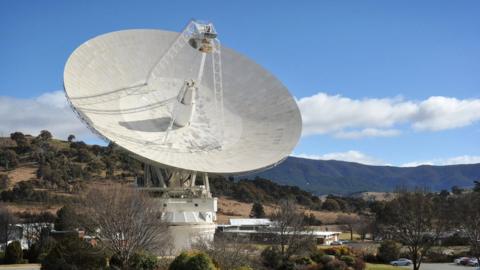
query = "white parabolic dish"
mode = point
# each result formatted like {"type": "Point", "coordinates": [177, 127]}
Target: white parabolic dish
{"type": "Point", "coordinates": [261, 120]}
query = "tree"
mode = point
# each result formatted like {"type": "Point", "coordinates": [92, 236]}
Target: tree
{"type": "Point", "coordinates": [457, 190]}
{"type": "Point", "coordinates": [349, 221]}
{"type": "Point", "coordinates": [74, 253]}
{"type": "Point", "coordinates": [257, 210]}
{"type": "Point", "coordinates": [476, 188]}
{"type": "Point", "coordinates": [331, 205]}
{"type": "Point", "coordinates": [4, 181]}
{"type": "Point", "coordinates": [71, 138]}
{"type": "Point", "coordinates": [6, 220]}
{"type": "Point", "coordinates": [192, 261]}
{"type": "Point", "coordinates": [467, 215]}
{"type": "Point", "coordinates": [67, 219]}
{"type": "Point", "coordinates": [289, 232]}
{"type": "Point", "coordinates": [34, 225]}
{"type": "Point", "coordinates": [228, 251]}
{"type": "Point", "coordinates": [412, 220]}
{"type": "Point", "coordinates": [127, 221]}
{"type": "Point", "coordinates": [389, 250]}
{"type": "Point", "coordinates": [8, 159]}
{"type": "Point", "coordinates": [45, 135]}
{"type": "Point", "coordinates": [23, 145]}
{"type": "Point", "coordinates": [14, 253]}
{"type": "Point", "coordinates": [365, 225]}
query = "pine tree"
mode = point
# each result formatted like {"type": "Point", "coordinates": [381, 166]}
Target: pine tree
{"type": "Point", "coordinates": [257, 210]}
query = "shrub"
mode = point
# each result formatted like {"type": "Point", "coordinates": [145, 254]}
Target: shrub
{"type": "Point", "coordinates": [244, 268]}
{"type": "Point", "coordinates": [335, 265]}
{"type": "Point", "coordinates": [144, 261]}
{"type": "Point", "coordinates": [14, 253]}
{"type": "Point", "coordinates": [287, 265]}
{"type": "Point", "coordinates": [192, 261]}
{"type": "Point", "coordinates": [438, 257]}
{"type": "Point", "coordinates": [359, 264]}
{"type": "Point", "coordinates": [389, 250]}
{"type": "Point", "coordinates": [271, 257]}
{"type": "Point", "coordinates": [370, 258]}
{"type": "Point", "coordinates": [349, 260]}
{"type": "Point", "coordinates": [74, 253]}
{"type": "Point", "coordinates": [331, 251]}
{"type": "Point", "coordinates": [326, 259]}
{"type": "Point", "coordinates": [304, 261]}
{"type": "Point", "coordinates": [316, 255]}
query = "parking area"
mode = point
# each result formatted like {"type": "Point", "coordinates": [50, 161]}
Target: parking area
{"type": "Point", "coordinates": [442, 266]}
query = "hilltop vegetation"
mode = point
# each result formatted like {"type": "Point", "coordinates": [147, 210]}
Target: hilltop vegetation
{"type": "Point", "coordinates": [340, 177]}
{"type": "Point", "coordinates": [45, 170]}
{"type": "Point", "coordinates": [61, 166]}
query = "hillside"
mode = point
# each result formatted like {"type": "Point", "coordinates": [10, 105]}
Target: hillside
{"type": "Point", "coordinates": [340, 177]}
{"type": "Point", "coordinates": [42, 174]}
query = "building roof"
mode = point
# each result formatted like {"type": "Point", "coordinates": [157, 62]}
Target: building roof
{"type": "Point", "coordinates": [250, 222]}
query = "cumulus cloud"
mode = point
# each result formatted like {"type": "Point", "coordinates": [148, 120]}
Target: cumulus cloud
{"type": "Point", "coordinates": [344, 117]}
{"type": "Point", "coordinates": [352, 156]}
{"type": "Point", "coordinates": [439, 113]}
{"type": "Point", "coordinates": [49, 111]}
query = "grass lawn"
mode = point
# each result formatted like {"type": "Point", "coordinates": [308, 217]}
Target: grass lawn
{"type": "Point", "coordinates": [371, 266]}
{"type": "Point", "coordinates": [346, 236]}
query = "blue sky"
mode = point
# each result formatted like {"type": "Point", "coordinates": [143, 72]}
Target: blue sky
{"type": "Point", "coordinates": [379, 82]}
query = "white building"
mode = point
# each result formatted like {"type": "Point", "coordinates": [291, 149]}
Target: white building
{"type": "Point", "coordinates": [261, 230]}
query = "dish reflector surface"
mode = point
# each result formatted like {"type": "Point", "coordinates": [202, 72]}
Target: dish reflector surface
{"type": "Point", "coordinates": [104, 80]}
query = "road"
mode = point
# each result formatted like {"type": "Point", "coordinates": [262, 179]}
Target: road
{"type": "Point", "coordinates": [20, 267]}
{"type": "Point", "coordinates": [441, 266]}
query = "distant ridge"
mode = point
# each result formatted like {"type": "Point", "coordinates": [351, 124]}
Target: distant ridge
{"type": "Point", "coordinates": [341, 177]}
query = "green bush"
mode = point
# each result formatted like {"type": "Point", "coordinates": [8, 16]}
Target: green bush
{"type": "Point", "coordinates": [349, 260]}
{"type": "Point", "coordinates": [316, 255]}
{"type": "Point", "coordinates": [271, 257]}
{"type": "Point", "coordinates": [244, 268]}
{"type": "Point", "coordinates": [389, 250]}
{"type": "Point", "coordinates": [74, 253]}
{"type": "Point", "coordinates": [14, 253]}
{"type": "Point", "coordinates": [144, 261]}
{"type": "Point", "coordinates": [304, 261]}
{"type": "Point", "coordinates": [192, 261]}
{"type": "Point", "coordinates": [335, 265]}
{"type": "Point", "coordinates": [326, 259]}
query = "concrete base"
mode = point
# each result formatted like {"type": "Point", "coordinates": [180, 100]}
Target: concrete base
{"type": "Point", "coordinates": [184, 236]}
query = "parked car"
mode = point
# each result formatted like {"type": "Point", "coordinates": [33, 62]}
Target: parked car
{"type": "Point", "coordinates": [336, 243]}
{"type": "Point", "coordinates": [472, 262]}
{"type": "Point", "coordinates": [401, 262]}
{"type": "Point", "coordinates": [458, 261]}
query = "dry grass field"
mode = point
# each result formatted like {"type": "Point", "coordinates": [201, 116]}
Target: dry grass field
{"type": "Point", "coordinates": [22, 173]}
{"type": "Point", "coordinates": [228, 208]}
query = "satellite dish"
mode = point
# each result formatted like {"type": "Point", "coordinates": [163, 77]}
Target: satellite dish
{"type": "Point", "coordinates": [125, 85]}
{"type": "Point", "coordinates": [184, 105]}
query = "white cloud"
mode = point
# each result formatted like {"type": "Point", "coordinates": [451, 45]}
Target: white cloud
{"type": "Point", "coordinates": [439, 113]}
{"type": "Point", "coordinates": [466, 159]}
{"type": "Point", "coordinates": [371, 117]}
{"type": "Point", "coordinates": [367, 132]}
{"type": "Point", "coordinates": [352, 156]}
{"type": "Point", "coordinates": [49, 111]}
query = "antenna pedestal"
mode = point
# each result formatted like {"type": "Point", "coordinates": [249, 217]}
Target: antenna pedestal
{"type": "Point", "coordinates": [185, 201]}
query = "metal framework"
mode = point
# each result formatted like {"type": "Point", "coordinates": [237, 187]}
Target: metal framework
{"type": "Point", "coordinates": [174, 183]}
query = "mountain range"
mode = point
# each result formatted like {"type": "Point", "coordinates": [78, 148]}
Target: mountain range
{"type": "Point", "coordinates": [341, 177]}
